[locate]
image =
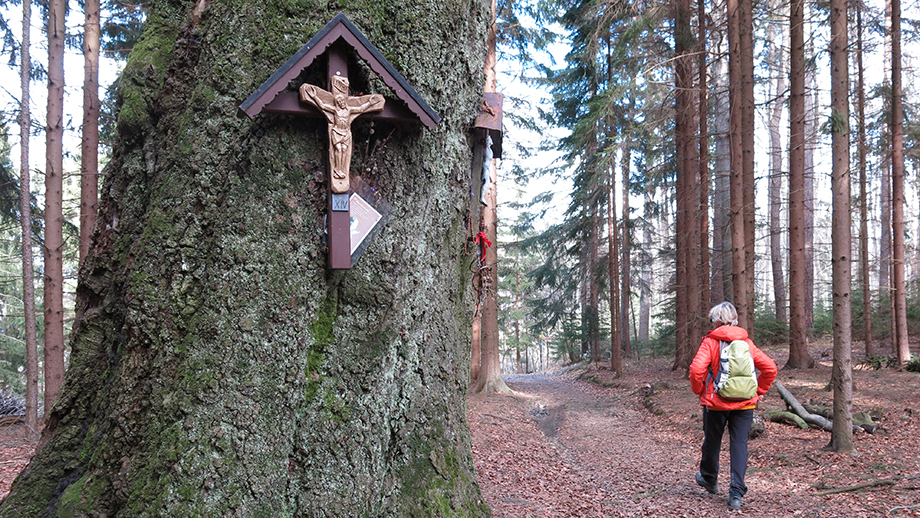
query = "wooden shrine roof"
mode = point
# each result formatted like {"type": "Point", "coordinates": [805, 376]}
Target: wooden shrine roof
{"type": "Point", "coordinates": [273, 97]}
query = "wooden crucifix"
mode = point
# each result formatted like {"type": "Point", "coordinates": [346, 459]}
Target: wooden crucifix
{"type": "Point", "coordinates": [339, 109]}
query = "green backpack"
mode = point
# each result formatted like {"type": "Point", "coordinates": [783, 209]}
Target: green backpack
{"type": "Point", "coordinates": [736, 379]}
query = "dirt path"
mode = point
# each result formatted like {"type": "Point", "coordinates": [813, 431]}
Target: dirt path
{"type": "Point", "coordinates": [567, 448]}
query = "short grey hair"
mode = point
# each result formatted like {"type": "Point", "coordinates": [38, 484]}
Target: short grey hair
{"type": "Point", "coordinates": [724, 314]}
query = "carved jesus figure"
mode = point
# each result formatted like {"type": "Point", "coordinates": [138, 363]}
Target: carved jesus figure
{"type": "Point", "coordinates": [340, 111]}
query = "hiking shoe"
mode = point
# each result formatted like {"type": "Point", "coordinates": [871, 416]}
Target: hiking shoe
{"type": "Point", "coordinates": [712, 488]}
{"type": "Point", "coordinates": [734, 502]}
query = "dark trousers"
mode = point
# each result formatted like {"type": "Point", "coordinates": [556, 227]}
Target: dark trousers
{"type": "Point", "coordinates": [739, 425]}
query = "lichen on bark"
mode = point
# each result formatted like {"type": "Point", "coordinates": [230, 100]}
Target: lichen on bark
{"type": "Point", "coordinates": [218, 367]}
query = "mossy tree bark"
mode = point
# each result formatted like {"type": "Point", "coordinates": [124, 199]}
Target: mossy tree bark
{"type": "Point", "coordinates": [219, 368]}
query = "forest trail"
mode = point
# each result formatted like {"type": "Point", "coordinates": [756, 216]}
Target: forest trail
{"type": "Point", "coordinates": [583, 445]}
{"type": "Point", "coordinates": [596, 452]}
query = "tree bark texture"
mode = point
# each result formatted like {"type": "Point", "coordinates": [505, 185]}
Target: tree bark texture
{"type": "Point", "coordinates": [54, 217]}
{"type": "Point", "coordinates": [842, 372]}
{"type": "Point", "coordinates": [737, 189]}
{"type": "Point", "coordinates": [898, 229]}
{"type": "Point", "coordinates": [798, 346]}
{"type": "Point", "coordinates": [219, 368]}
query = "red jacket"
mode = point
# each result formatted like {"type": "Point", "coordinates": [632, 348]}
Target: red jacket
{"type": "Point", "coordinates": [708, 357]}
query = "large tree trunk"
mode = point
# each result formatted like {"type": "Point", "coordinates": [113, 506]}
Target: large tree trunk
{"type": "Point", "coordinates": [739, 260]}
{"type": "Point", "coordinates": [89, 148]}
{"type": "Point", "coordinates": [798, 347]}
{"type": "Point", "coordinates": [54, 199]}
{"type": "Point", "coordinates": [842, 374]}
{"type": "Point", "coordinates": [25, 215]}
{"type": "Point", "coordinates": [898, 229]}
{"type": "Point", "coordinates": [687, 248]}
{"type": "Point", "coordinates": [220, 368]}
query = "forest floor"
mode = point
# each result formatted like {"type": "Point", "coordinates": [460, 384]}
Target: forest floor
{"type": "Point", "coordinates": [579, 443]}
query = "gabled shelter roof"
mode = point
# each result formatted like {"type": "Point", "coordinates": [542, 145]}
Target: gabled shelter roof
{"type": "Point", "coordinates": [272, 97]}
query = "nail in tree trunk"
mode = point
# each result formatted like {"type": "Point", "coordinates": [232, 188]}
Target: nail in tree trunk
{"type": "Point", "coordinates": [219, 367]}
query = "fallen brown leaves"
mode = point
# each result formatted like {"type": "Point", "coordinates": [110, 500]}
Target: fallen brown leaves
{"type": "Point", "coordinates": [611, 455]}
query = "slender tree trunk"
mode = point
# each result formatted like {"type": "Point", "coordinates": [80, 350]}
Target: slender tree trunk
{"type": "Point", "coordinates": [25, 214]}
{"type": "Point", "coordinates": [898, 230]}
{"type": "Point", "coordinates": [626, 262]}
{"type": "Point", "coordinates": [703, 116]}
{"type": "Point", "coordinates": [616, 358]}
{"type": "Point", "coordinates": [490, 369]}
{"type": "Point", "coordinates": [777, 73]}
{"type": "Point", "coordinates": [476, 354]}
{"type": "Point", "coordinates": [645, 289]}
{"type": "Point", "coordinates": [798, 346]}
{"type": "Point", "coordinates": [863, 194]}
{"type": "Point", "coordinates": [842, 374]}
{"type": "Point", "coordinates": [54, 218]}
{"type": "Point", "coordinates": [220, 368]}
{"type": "Point", "coordinates": [884, 254]}
{"type": "Point", "coordinates": [811, 140]}
{"type": "Point", "coordinates": [746, 35]}
{"type": "Point", "coordinates": [721, 204]}
{"type": "Point", "coordinates": [89, 149]}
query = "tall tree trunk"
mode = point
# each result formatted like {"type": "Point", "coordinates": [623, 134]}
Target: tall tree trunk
{"type": "Point", "coordinates": [89, 149]}
{"type": "Point", "coordinates": [703, 116]}
{"type": "Point", "coordinates": [737, 186]}
{"type": "Point", "coordinates": [54, 217]}
{"type": "Point", "coordinates": [798, 346]}
{"type": "Point", "coordinates": [811, 142]}
{"type": "Point", "coordinates": [777, 73]}
{"type": "Point", "coordinates": [884, 245]}
{"type": "Point", "coordinates": [863, 194]}
{"type": "Point", "coordinates": [721, 285]}
{"type": "Point", "coordinates": [645, 288]}
{"type": "Point", "coordinates": [746, 35]}
{"type": "Point", "coordinates": [898, 229]}
{"type": "Point", "coordinates": [687, 250]}
{"type": "Point", "coordinates": [489, 378]}
{"type": "Point", "coordinates": [626, 262]}
{"type": "Point", "coordinates": [616, 358]}
{"type": "Point", "coordinates": [219, 367]}
{"type": "Point", "coordinates": [25, 214]}
{"type": "Point", "coordinates": [842, 373]}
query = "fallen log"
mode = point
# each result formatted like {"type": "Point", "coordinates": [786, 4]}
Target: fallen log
{"type": "Point", "coordinates": [778, 416]}
{"type": "Point", "coordinates": [861, 421]}
{"type": "Point", "coordinates": [797, 407]}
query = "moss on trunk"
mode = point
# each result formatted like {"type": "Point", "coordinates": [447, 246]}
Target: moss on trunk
{"type": "Point", "coordinates": [218, 367]}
